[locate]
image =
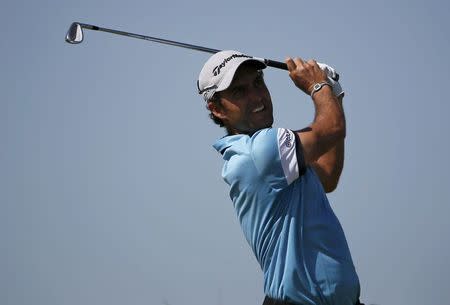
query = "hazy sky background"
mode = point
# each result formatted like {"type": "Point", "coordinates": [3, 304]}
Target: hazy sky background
{"type": "Point", "coordinates": [110, 190]}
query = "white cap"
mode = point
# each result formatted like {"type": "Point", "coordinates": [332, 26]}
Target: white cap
{"type": "Point", "coordinates": [218, 72]}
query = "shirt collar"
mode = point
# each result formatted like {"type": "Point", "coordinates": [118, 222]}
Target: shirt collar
{"type": "Point", "coordinates": [222, 144]}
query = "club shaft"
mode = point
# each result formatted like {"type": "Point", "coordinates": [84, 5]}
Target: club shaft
{"type": "Point", "coordinates": [269, 62]}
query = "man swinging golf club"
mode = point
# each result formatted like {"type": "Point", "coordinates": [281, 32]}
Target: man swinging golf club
{"type": "Point", "coordinates": [278, 178]}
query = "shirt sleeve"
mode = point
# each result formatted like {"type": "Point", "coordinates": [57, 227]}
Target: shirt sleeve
{"type": "Point", "coordinates": [274, 153]}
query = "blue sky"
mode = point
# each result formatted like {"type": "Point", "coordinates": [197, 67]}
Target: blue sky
{"type": "Point", "coordinates": [110, 190]}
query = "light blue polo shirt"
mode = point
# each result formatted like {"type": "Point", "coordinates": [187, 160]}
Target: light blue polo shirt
{"type": "Point", "coordinates": [287, 220]}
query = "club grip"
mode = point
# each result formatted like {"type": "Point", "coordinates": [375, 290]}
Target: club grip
{"type": "Point", "coordinates": [276, 64]}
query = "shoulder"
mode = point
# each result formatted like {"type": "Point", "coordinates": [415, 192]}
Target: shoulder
{"type": "Point", "coordinates": [271, 140]}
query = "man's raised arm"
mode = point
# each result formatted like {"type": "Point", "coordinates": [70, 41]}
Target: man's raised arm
{"type": "Point", "coordinates": [329, 166]}
{"type": "Point", "coordinates": [327, 132]}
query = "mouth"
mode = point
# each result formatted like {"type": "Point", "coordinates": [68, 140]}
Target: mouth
{"type": "Point", "coordinates": [259, 109]}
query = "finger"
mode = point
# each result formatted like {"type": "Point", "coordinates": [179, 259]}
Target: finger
{"type": "Point", "coordinates": [311, 62]}
{"type": "Point", "coordinates": [298, 61]}
{"type": "Point", "coordinates": [290, 64]}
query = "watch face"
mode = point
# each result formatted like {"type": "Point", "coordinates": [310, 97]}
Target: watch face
{"type": "Point", "coordinates": [317, 86]}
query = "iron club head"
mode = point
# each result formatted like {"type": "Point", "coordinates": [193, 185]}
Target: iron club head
{"type": "Point", "coordinates": [75, 33]}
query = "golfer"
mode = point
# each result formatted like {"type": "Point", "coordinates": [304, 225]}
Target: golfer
{"type": "Point", "coordinates": [278, 177]}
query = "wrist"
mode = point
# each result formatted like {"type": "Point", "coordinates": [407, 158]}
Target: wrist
{"type": "Point", "coordinates": [321, 86]}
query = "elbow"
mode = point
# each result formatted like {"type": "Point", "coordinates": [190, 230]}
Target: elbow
{"type": "Point", "coordinates": [330, 181]}
{"type": "Point", "coordinates": [328, 177]}
{"type": "Point", "coordinates": [330, 185]}
{"type": "Point", "coordinates": [330, 188]}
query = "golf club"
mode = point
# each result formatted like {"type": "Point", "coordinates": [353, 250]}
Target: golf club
{"type": "Point", "coordinates": [75, 35]}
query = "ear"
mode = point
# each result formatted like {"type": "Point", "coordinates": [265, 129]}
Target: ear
{"type": "Point", "coordinates": [217, 110]}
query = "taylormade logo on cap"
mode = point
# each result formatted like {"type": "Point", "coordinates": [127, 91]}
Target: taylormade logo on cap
{"type": "Point", "coordinates": [218, 71]}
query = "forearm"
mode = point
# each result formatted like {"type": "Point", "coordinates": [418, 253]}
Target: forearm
{"type": "Point", "coordinates": [328, 126]}
{"type": "Point", "coordinates": [330, 165]}
{"type": "Point", "coordinates": [327, 129]}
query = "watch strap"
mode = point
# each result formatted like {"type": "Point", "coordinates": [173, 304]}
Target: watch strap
{"type": "Point", "coordinates": [319, 86]}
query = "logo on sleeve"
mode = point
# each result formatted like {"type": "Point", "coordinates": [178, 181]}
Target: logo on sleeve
{"type": "Point", "coordinates": [288, 141]}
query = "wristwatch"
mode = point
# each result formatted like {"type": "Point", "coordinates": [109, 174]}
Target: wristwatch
{"type": "Point", "coordinates": [319, 86]}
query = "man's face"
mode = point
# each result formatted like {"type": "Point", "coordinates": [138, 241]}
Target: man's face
{"type": "Point", "coordinates": [245, 106]}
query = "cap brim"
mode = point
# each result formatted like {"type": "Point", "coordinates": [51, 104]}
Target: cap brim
{"type": "Point", "coordinates": [228, 77]}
